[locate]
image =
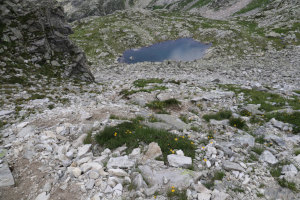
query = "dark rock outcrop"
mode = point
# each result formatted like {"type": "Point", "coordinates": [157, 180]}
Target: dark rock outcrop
{"type": "Point", "coordinates": [35, 32]}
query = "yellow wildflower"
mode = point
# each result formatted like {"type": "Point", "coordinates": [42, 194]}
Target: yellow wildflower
{"type": "Point", "coordinates": [172, 187]}
{"type": "Point", "coordinates": [203, 147]}
{"type": "Point", "coordinates": [192, 142]}
{"type": "Point", "coordinates": [173, 190]}
{"type": "Point", "coordinates": [182, 136]}
{"type": "Point", "coordinates": [115, 134]}
{"type": "Point", "coordinates": [176, 139]}
{"type": "Point", "coordinates": [205, 159]}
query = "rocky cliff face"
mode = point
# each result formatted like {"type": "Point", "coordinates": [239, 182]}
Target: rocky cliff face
{"type": "Point", "coordinates": [77, 9]}
{"type": "Point", "coordinates": [34, 40]}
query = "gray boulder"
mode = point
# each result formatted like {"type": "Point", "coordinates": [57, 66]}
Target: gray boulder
{"type": "Point", "coordinates": [6, 178]}
{"type": "Point", "coordinates": [268, 157]}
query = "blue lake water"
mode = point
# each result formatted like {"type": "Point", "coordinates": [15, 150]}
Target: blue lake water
{"type": "Point", "coordinates": [184, 49]}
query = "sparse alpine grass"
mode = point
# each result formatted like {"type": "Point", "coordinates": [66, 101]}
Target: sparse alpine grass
{"type": "Point", "coordinates": [268, 101]}
{"type": "Point", "coordinates": [258, 150]}
{"type": "Point", "coordinates": [223, 114]}
{"type": "Point", "coordinates": [127, 93]}
{"type": "Point", "coordinates": [132, 134]}
{"type": "Point", "coordinates": [145, 82]}
{"type": "Point", "coordinates": [237, 123]}
{"type": "Point", "coordinates": [297, 152]}
{"type": "Point", "coordinates": [160, 106]}
{"type": "Point", "coordinates": [291, 118]}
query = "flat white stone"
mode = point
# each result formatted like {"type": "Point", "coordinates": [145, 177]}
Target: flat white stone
{"type": "Point", "coordinates": [179, 161]}
{"type": "Point", "coordinates": [117, 172]}
{"type": "Point", "coordinates": [120, 162]}
{"type": "Point", "coordinates": [83, 150]}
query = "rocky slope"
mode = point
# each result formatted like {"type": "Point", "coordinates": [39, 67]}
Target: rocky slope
{"type": "Point", "coordinates": [34, 40]}
{"type": "Point", "coordinates": [230, 121]}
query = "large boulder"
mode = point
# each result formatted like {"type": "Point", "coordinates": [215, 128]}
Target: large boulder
{"type": "Point", "coordinates": [37, 30]}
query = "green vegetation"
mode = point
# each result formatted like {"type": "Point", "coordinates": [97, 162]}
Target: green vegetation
{"type": "Point", "coordinates": [286, 184]}
{"type": "Point", "coordinates": [174, 194]}
{"type": "Point", "coordinates": [133, 133]}
{"type": "Point", "coordinates": [297, 152]}
{"type": "Point", "coordinates": [237, 123]}
{"type": "Point", "coordinates": [256, 120]}
{"type": "Point", "coordinates": [195, 128]}
{"type": "Point", "coordinates": [145, 82]}
{"type": "Point", "coordinates": [160, 106]}
{"type": "Point", "coordinates": [223, 114]}
{"type": "Point", "coordinates": [253, 5]}
{"type": "Point", "coordinates": [291, 118]}
{"type": "Point", "coordinates": [275, 171]}
{"type": "Point", "coordinates": [253, 157]}
{"type": "Point", "coordinates": [2, 123]}
{"type": "Point", "coordinates": [201, 3]}
{"type": "Point", "coordinates": [260, 195]}
{"type": "Point", "coordinates": [51, 106]}
{"type": "Point", "coordinates": [218, 175]}
{"type": "Point", "coordinates": [184, 118]}
{"type": "Point", "coordinates": [238, 189]}
{"type": "Point", "coordinates": [245, 112]}
{"type": "Point", "coordinates": [112, 116]}
{"type": "Point", "coordinates": [127, 93]}
{"type": "Point", "coordinates": [258, 150]}
{"type": "Point", "coordinates": [88, 139]}
{"type": "Point", "coordinates": [153, 119]}
{"type": "Point", "coordinates": [260, 139]}
{"type": "Point", "coordinates": [269, 101]}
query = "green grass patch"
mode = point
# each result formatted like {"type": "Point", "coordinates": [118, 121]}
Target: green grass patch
{"type": "Point", "coordinates": [127, 93]}
{"type": "Point", "coordinates": [219, 175]}
{"type": "Point", "coordinates": [221, 115]}
{"type": "Point", "coordinates": [260, 195]}
{"type": "Point", "coordinates": [201, 3]}
{"type": "Point", "coordinates": [260, 139]}
{"type": "Point", "coordinates": [237, 123]}
{"type": "Point", "coordinates": [238, 189]}
{"type": "Point", "coordinates": [258, 150]}
{"type": "Point", "coordinates": [195, 128]}
{"type": "Point", "coordinates": [268, 101]}
{"type": "Point", "coordinates": [286, 184]}
{"type": "Point", "coordinates": [145, 82]}
{"type": "Point", "coordinates": [291, 118]}
{"type": "Point", "coordinates": [133, 133]}
{"type": "Point", "coordinates": [184, 118]}
{"type": "Point", "coordinates": [276, 170]}
{"type": "Point", "coordinates": [253, 157]}
{"type": "Point", "coordinates": [245, 113]}
{"type": "Point", "coordinates": [174, 194]}
{"type": "Point", "coordinates": [297, 152]}
{"type": "Point", "coordinates": [162, 105]}
{"type": "Point", "coordinates": [88, 139]}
